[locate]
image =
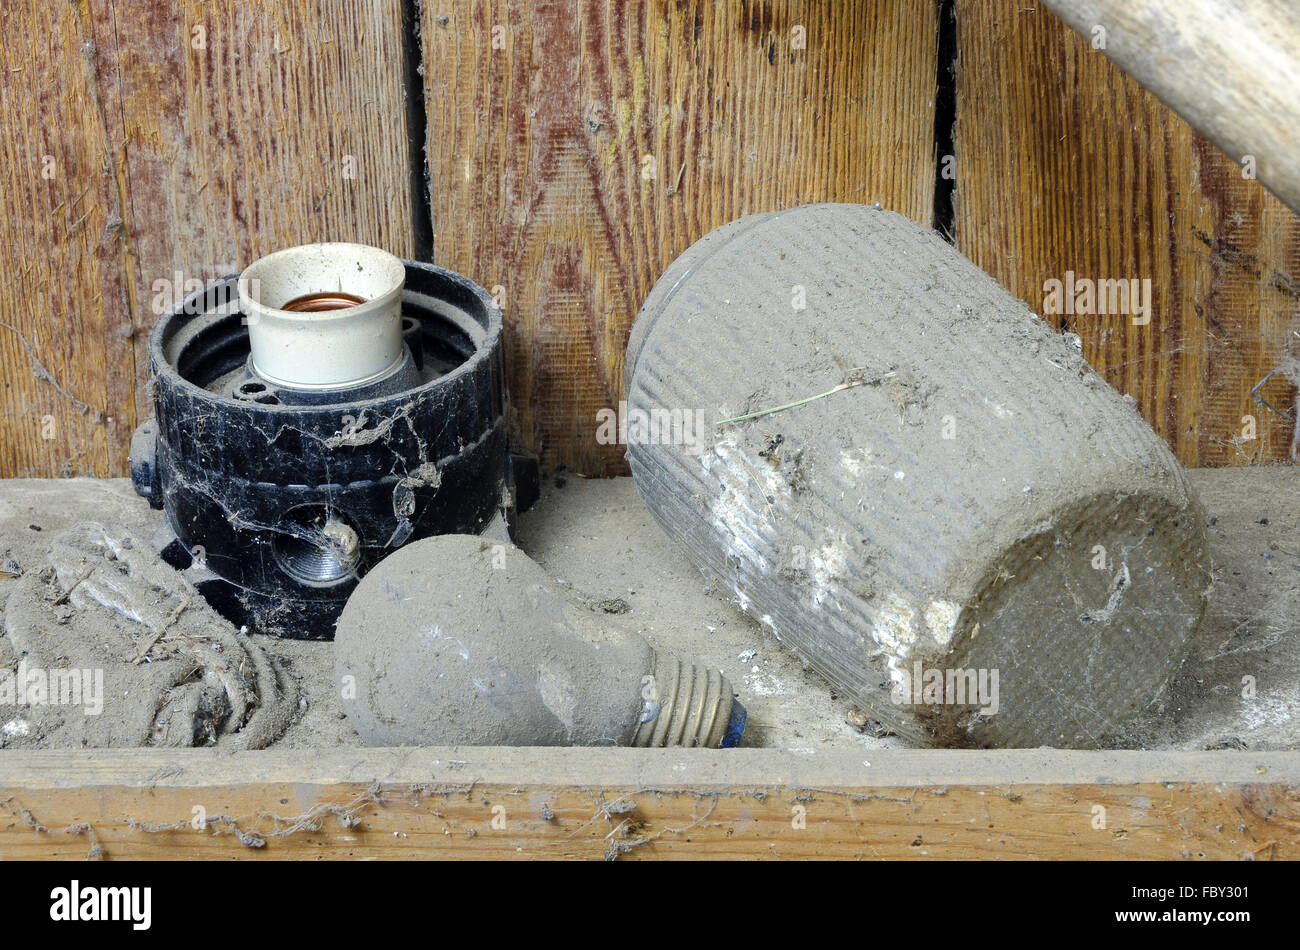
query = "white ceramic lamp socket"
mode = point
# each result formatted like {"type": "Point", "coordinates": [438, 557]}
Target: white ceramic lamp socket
{"type": "Point", "coordinates": [324, 316]}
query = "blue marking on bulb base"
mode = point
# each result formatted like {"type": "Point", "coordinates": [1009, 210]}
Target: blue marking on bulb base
{"type": "Point", "coordinates": [736, 726]}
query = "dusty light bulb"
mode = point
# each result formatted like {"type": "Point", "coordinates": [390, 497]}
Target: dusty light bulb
{"type": "Point", "coordinates": [456, 640]}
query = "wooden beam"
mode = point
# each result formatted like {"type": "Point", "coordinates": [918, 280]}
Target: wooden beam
{"type": "Point", "coordinates": [610, 803]}
{"type": "Point", "coordinates": [1229, 67]}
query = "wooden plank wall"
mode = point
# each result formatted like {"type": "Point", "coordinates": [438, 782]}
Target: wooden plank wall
{"type": "Point", "coordinates": [578, 146]}
{"type": "Point", "coordinates": [66, 353]}
{"type": "Point", "coordinates": [1066, 164]}
{"type": "Point", "coordinates": [574, 148]}
{"type": "Point", "coordinates": [145, 139]}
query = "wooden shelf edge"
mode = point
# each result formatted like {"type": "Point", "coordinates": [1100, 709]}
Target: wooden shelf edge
{"type": "Point", "coordinates": [627, 803]}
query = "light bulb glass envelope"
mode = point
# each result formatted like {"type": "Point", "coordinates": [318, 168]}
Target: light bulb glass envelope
{"type": "Point", "coordinates": [456, 640]}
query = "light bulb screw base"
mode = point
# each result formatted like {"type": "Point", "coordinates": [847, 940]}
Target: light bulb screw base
{"type": "Point", "coordinates": [688, 705]}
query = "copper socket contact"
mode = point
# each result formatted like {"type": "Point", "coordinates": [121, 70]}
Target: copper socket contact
{"type": "Point", "coordinates": [323, 301]}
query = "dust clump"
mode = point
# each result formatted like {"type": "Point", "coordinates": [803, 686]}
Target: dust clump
{"type": "Point", "coordinates": [109, 646]}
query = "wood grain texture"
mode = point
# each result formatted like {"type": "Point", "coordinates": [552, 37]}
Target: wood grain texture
{"type": "Point", "coordinates": [197, 135]}
{"type": "Point", "coordinates": [1065, 164]}
{"type": "Point", "coordinates": [577, 146]}
{"type": "Point", "coordinates": [742, 804]}
{"type": "Point", "coordinates": [172, 150]}
{"type": "Point", "coordinates": [1231, 68]}
{"type": "Point", "coordinates": [65, 340]}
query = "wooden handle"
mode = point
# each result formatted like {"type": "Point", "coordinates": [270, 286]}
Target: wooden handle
{"type": "Point", "coordinates": [1231, 68]}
